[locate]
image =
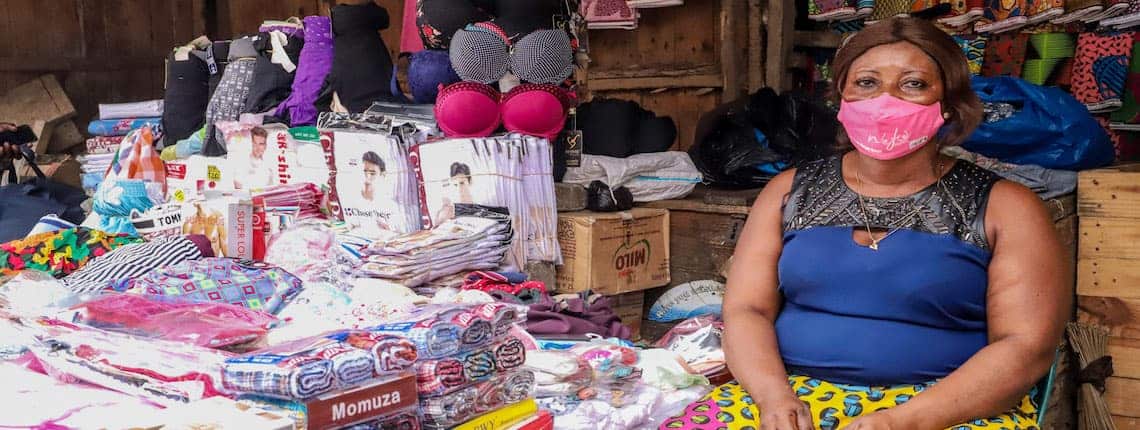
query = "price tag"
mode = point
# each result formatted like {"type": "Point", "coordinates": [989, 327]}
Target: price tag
{"type": "Point", "coordinates": [213, 173]}
{"type": "Point", "coordinates": [574, 148]}
{"type": "Point", "coordinates": [179, 196]}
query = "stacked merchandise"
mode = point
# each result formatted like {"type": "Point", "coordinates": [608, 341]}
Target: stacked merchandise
{"type": "Point", "coordinates": [116, 120]}
{"type": "Point", "coordinates": [309, 375]}
{"type": "Point", "coordinates": [469, 361]}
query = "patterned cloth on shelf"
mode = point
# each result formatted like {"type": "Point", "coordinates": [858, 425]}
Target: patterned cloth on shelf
{"type": "Point", "coordinates": [1005, 55]}
{"type": "Point", "coordinates": [974, 46]}
{"type": "Point", "coordinates": [1002, 16]}
{"type": "Point", "coordinates": [885, 9]}
{"type": "Point", "coordinates": [1100, 69]}
{"type": "Point", "coordinates": [255, 285]}
{"type": "Point", "coordinates": [59, 252]}
{"type": "Point", "coordinates": [831, 10]}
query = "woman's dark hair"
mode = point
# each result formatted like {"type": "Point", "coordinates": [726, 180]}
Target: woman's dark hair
{"type": "Point", "coordinates": [458, 169]}
{"type": "Point", "coordinates": [374, 158]}
{"type": "Point", "coordinates": [958, 99]}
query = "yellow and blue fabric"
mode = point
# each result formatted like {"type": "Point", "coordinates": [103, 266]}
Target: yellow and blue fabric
{"type": "Point", "coordinates": [833, 406]}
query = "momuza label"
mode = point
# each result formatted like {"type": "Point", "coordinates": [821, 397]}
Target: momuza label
{"type": "Point", "coordinates": [347, 410]}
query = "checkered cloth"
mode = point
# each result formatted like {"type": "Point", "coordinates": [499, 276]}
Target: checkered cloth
{"type": "Point", "coordinates": [445, 376]}
{"type": "Point", "coordinates": [278, 375]}
{"type": "Point", "coordinates": [254, 285]}
{"type": "Point", "coordinates": [452, 409]}
{"type": "Point", "coordinates": [142, 161]}
{"type": "Point", "coordinates": [390, 354]}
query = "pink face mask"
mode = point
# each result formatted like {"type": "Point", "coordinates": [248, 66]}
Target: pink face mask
{"type": "Point", "coordinates": [888, 128]}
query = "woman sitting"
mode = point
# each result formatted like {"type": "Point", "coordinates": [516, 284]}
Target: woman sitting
{"type": "Point", "coordinates": [891, 287]}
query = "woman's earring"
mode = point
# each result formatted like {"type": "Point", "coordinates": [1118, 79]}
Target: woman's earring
{"type": "Point", "coordinates": [945, 115]}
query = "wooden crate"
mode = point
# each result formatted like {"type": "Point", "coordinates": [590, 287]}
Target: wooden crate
{"type": "Point", "coordinates": [1108, 277]}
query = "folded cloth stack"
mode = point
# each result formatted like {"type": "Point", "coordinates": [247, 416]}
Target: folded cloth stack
{"type": "Point", "coordinates": [609, 14]}
{"type": "Point", "coordinates": [441, 331]}
{"type": "Point", "coordinates": [212, 325]}
{"type": "Point", "coordinates": [455, 408]}
{"type": "Point", "coordinates": [559, 373]}
{"type": "Point", "coordinates": [59, 253]}
{"type": "Point", "coordinates": [167, 373]}
{"type": "Point", "coordinates": [310, 367]}
{"type": "Point", "coordinates": [306, 199]}
{"type": "Point", "coordinates": [458, 245]}
{"type": "Point", "coordinates": [121, 127]}
{"type": "Point", "coordinates": [255, 285]}
{"type": "Point", "coordinates": [571, 314]}
{"type": "Point", "coordinates": [144, 109]}
{"type": "Point", "coordinates": [115, 269]}
{"type": "Point", "coordinates": [445, 376]}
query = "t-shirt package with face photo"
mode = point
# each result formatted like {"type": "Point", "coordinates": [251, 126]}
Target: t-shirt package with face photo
{"type": "Point", "coordinates": [375, 185]}
{"type": "Point", "coordinates": [505, 171]}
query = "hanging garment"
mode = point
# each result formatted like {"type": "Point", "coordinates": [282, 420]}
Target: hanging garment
{"type": "Point", "coordinates": [410, 41]}
{"type": "Point", "coordinates": [428, 71]}
{"type": "Point", "coordinates": [114, 269]}
{"type": "Point", "coordinates": [187, 94]}
{"type": "Point", "coordinates": [313, 67]}
{"type": "Point", "coordinates": [362, 68]}
{"type": "Point", "coordinates": [438, 20]}
{"type": "Point", "coordinates": [1100, 70]}
{"type": "Point", "coordinates": [217, 59]}
{"type": "Point", "coordinates": [229, 99]}
{"type": "Point", "coordinates": [273, 74]}
{"type": "Point", "coordinates": [522, 17]}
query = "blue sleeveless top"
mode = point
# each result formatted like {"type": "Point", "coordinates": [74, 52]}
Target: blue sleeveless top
{"type": "Point", "coordinates": [911, 312]}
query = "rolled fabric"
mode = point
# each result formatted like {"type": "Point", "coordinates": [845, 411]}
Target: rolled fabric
{"type": "Point", "coordinates": [389, 354]}
{"type": "Point", "coordinates": [1003, 16]}
{"type": "Point", "coordinates": [974, 46]}
{"type": "Point", "coordinates": [450, 410]}
{"type": "Point", "coordinates": [445, 376]}
{"type": "Point", "coordinates": [1005, 55]}
{"type": "Point", "coordinates": [121, 127]}
{"type": "Point", "coordinates": [1100, 69]}
{"type": "Point", "coordinates": [283, 376]}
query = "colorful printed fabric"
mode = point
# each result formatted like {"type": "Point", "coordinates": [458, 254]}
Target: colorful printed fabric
{"type": "Point", "coordinates": [504, 389]}
{"type": "Point", "coordinates": [930, 8]}
{"type": "Point", "coordinates": [833, 406]}
{"type": "Point", "coordinates": [445, 330]}
{"type": "Point", "coordinates": [886, 9]}
{"type": "Point", "coordinates": [59, 252]}
{"type": "Point", "coordinates": [963, 12]}
{"type": "Point", "coordinates": [1130, 107]}
{"type": "Point", "coordinates": [1100, 69]}
{"type": "Point", "coordinates": [1003, 15]}
{"type": "Point", "coordinates": [255, 285]}
{"type": "Point", "coordinates": [141, 161]}
{"type": "Point", "coordinates": [830, 10]}
{"type": "Point", "coordinates": [1005, 55]}
{"type": "Point", "coordinates": [974, 46]}
{"type": "Point", "coordinates": [120, 127]}
{"type": "Point", "coordinates": [439, 377]}
{"type": "Point", "coordinates": [1040, 11]}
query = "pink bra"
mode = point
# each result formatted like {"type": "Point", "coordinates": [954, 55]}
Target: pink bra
{"type": "Point", "coordinates": [472, 109]}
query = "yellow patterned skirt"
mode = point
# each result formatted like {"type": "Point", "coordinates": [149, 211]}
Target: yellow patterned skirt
{"type": "Point", "coordinates": [833, 406]}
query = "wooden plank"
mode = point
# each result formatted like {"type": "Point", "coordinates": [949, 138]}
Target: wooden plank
{"type": "Point", "coordinates": [700, 243]}
{"type": "Point", "coordinates": [756, 61]}
{"type": "Point", "coordinates": [65, 138]}
{"type": "Point", "coordinates": [650, 72]}
{"type": "Point", "coordinates": [40, 99]}
{"type": "Point", "coordinates": [698, 206]}
{"type": "Point", "coordinates": [1109, 193]}
{"type": "Point", "coordinates": [1110, 238]}
{"type": "Point", "coordinates": [1108, 277]}
{"type": "Point", "coordinates": [665, 38]}
{"type": "Point", "coordinates": [818, 39]}
{"type": "Point", "coordinates": [1120, 316]}
{"type": "Point", "coordinates": [66, 64]}
{"type": "Point", "coordinates": [1126, 423]}
{"type": "Point", "coordinates": [656, 82]}
{"type": "Point", "coordinates": [733, 24]}
{"type": "Point", "coordinates": [1125, 358]}
{"type": "Point", "coordinates": [781, 23]}
{"type": "Point", "coordinates": [1120, 394]}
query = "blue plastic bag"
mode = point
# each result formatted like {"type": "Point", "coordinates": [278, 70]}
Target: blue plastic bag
{"type": "Point", "coordinates": [1049, 128]}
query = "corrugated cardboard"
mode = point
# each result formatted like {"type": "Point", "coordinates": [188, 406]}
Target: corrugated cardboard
{"type": "Point", "coordinates": [613, 253]}
{"type": "Point", "coordinates": [630, 307]}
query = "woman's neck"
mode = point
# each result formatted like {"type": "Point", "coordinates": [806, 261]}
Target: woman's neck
{"type": "Point", "coordinates": [890, 178]}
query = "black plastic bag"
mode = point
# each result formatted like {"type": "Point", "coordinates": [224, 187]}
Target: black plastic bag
{"type": "Point", "coordinates": [600, 198]}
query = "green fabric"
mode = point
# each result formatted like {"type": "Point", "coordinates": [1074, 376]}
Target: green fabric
{"type": "Point", "coordinates": [1129, 112]}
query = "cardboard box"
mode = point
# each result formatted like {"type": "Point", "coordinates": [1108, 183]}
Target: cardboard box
{"type": "Point", "coordinates": [630, 307]}
{"type": "Point", "coordinates": [613, 253]}
{"type": "Point", "coordinates": [340, 409]}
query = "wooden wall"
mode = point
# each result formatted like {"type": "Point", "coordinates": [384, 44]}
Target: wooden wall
{"type": "Point", "coordinates": [109, 51]}
{"type": "Point", "coordinates": [681, 61]}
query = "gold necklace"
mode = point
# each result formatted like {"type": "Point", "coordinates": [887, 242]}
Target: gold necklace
{"type": "Point", "coordinates": [867, 217]}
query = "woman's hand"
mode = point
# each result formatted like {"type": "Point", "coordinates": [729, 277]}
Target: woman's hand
{"type": "Point", "coordinates": [882, 420]}
{"type": "Point", "coordinates": [785, 412]}
{"type": "Point", "coordinates": [8, 150]}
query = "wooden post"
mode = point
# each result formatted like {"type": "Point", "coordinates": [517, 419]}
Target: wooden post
{"type": "Point", "coordinates": [756, 61]}
{"type": "Point", "coordinates": [781, 24]}
{"type": "Point", "coordinates": [733, 43]}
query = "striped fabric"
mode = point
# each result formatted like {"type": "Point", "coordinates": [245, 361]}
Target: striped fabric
{"type": "Point", "coordinates": [131, 261]}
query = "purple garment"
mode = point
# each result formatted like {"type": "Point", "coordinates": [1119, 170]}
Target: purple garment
{"type": "Point", "coordinates": [289, 30]}
{"type": "Point", "coordinates": [575, 316]}
{"type": "Point", "coordinates": [315, 64]}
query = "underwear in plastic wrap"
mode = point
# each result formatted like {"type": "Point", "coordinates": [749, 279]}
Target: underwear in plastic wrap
{"type": "Point", "coordinates": [440, 331]}
{"type": "Point", "coordinates": [444, 376]}
{"type": "Point", "coordinates": [453, 409]}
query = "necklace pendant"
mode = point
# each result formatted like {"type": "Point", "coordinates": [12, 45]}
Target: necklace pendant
{"type": "Point", "coordinates": [874, 246]}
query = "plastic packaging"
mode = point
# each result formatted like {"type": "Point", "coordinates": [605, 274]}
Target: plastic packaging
{"type": "Point", "coordinates": [698, 341]}
{"type": "Point", "coordinates": [213, 325]}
